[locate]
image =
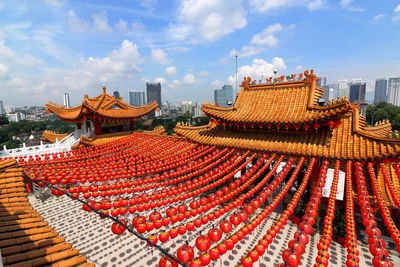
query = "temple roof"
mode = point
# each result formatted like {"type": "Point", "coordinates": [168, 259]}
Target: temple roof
{"type": "Point", "coordinates": [104, 106]}
{"type": "Point", "coordinates": [101, 139]}
{"type": "Point", "coordinates": [280, 102]}
{"type": "Point", "coordinates": [350, 139]}
{"type": "Point", "coordinates": [52, 137]}
{"type": "Point", "coordinates": [26, 238]}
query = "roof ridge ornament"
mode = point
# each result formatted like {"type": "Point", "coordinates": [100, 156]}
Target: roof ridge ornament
{"type": "Point", "coordinates": [104, 88]}
{"type": "Point", "coordinates": [246, 83]}
{"type": "Point", "coordinates": [310, 77]}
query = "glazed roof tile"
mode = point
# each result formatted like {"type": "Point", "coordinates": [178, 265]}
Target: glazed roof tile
{"type": "Point", "coordinates": [104, 106]}
{"type": "Point", "coordinates": [52, 137]}
{"type": "Point", "coordinates": [282, 102]}
{"type": "Point", "coordinates": [25, 238]}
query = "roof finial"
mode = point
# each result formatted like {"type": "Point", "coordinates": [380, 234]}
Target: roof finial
{"type": "Point", "coordinates": [104, 88]}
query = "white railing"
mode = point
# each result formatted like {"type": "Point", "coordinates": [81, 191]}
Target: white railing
{"type": "Point", "coordinates": [59, 146]}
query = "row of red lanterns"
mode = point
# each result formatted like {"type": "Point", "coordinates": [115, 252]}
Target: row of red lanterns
{"type": "Point", "coordinates": [377, 246]}
{"type": "Point", "coordinates": [326, 237]}
{"type": "Point", "coordinates": [353, 259]}
{"type": "Point", "coordinates": [309, 218]}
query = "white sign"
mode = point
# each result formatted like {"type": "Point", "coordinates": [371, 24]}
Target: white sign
{"type": "Point", "coordinates": [328, 184]}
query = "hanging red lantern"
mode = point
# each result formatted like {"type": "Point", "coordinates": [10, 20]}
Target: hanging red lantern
{"type": "Point", "coordinates": [203, 243]}
{"type": "Point", "coordinates": [214, 234]}
{"type": "Point", "coordinates": [225, 226]}
{"type": "Point", "coordinates": [185, 253]}
{"type": "Point", "coordinates": [167, 262]}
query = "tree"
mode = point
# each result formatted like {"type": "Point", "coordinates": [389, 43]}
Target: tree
{"type": "Point", "coordinates": [384, 111]}
{"type": "Point", "coordinates": [3, 119]}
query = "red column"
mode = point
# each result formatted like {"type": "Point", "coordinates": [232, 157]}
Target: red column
{"type": "Point", "coordinates": [132, 125]}
{"type": "Point", "coordinates": [97, 127]}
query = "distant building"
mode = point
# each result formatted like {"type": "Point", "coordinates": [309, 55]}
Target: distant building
{"type": "Point", "coordinates": [16, 117]}
{"type": "Point", "coordinates": [321, 82]}
{"type": "Point", "coordinates": [343, 88]}
{"type": "Point", "coordinates": [1, 107]}
{"type": "Point", "coordinates": [136, 98]}
{"type": "Point", "coordinates": [154, 94]}
{"type": "Point", "coordinates": [197, 112]}
{"type": "Point", "coordinates": [394, 91]}
{"type": "Point", "coordinates": [381, 91]}
{"type": "Point", "coordinates": [187, 107]}
{"type": "Point", "coordinates": [224, 97]}
{"type": "Point", "coordinates": [67, 104]}
{"type": "Point", "coordinates": [357, 91]}
{"type": "Point", "coordinates": [116, 94]}
{"type": "Point", "coordinates": [9, 109]}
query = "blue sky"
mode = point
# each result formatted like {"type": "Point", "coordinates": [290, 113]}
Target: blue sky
{"type": "Point", "coordinates": [48, 47]}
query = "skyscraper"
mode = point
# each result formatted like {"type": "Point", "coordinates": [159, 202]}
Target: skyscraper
{"type": "Point", "coordinates": [224, 97]}
{"type": "Point", "coordinates": [394, 91]}
{"type": "Point", "coordinates": [187, 107]}
{"type": "Point", "coordinates": [321, 82]}
{"type": "Point", "coordinates": [197, 110]}
{"type": "Point", "coordinates": [66, 100]}
{"type": "Point", "coordinates": [154, 94]}
{"type": "Point", "coordinates": [136, 98]}
{"type": "Point", "coordinates": [1, 107]}
{"type": "Point", "coordinates": [357, 91]}
{"type": "Point", "coordinates": [343, 88]}
{"type": "Point", "coordinates": [381, 91]}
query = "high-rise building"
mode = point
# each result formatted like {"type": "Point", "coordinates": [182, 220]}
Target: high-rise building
{"type": "Point", "coordinates": [381, 91]}
{"type": "Point", "coordinates": [224, 97]}
{"type": "Point", "coordinates": [343, 88]}
{"type": "Point", "coordinates": [187, 107]}
{"type": "Point", "coordinates": [66, 100]}
{"type": "Point", "coordinates": [394, 91]}
{"type": "Point", "coordinates": [116, 94]}
{"type": "Point", "coordinates": [136, 98]}
{"type": "Point", "coordinates": [197, 112]}
{"type": "Point", "coordinates": [154, 94]}
{"type": "Point", "coordinates": [357, 91]}
{"type": "Point", "coordinates": [321, 82]}
{"type": "Point", "coordinates": [1, 107]}
{"type": "Point", "coordinates": [9, 109]}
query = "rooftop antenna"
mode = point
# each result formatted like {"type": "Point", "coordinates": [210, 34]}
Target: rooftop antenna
{"type": "Point", "coordinates": [236, 73]}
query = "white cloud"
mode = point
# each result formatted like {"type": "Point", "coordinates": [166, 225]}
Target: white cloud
{"type": "Point", "coordinates": [179, 32]}
{"type": "Point", "coordinates": [174, 84]}
{"type": "Point", "coordinates": [189, 79]}
{"type": "Point", "coordinates": [260, 41]}
{"type": "Point", "coordinates": [316, 4]}
{"type": "Point", "coordinates": [267, 5]}
{"type": "Point", "coordinates": [264, 5]}
{"type": "Point", "coordinates": [100, 23]}
{"type": "Point", "coordinates": [300, 68]}
{"type": "Point", "coordinates": [379, 17]}
{"type": "Point", "coordinates": [4, 72]}
{"type": "Point", "coordinates": [11, 57]}
{"type": "Point", "coordinates": [347, 4]}
{"type": "Point", "coordinates": [396, 17]}
{"type": "Point", "coordinates": [161, 80]}
{"type": "Point", "coordinates": [170, 70]}
{"type": "Point", "coordinates": [211, 19]}
{"type": "Point", "coordinates": [55, 3]}
{"type": "Point", "coordinates": [159, 56]}
{"type": "Point", "coordinates": [260, 68]}
{"type": "Point", "coordinates": [75, 23]}
{"type": "Point", "coordinates": [121, 26]}
{"type": "Point", "coordinates": [203, 73]}
{"type": "Point", "coordinates": [217, 84]}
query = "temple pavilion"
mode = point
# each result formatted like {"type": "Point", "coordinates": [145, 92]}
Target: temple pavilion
{"type": "Point", "coordinates": [103, 114]}
{"type": "Point", "coordinates": [279, 179]}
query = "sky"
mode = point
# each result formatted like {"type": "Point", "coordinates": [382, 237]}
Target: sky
{"type": "Point", "coordinates": [49, 47]}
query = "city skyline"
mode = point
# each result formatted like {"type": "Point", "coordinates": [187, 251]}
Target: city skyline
{"type": "Point", "coordinates": [189, 47]}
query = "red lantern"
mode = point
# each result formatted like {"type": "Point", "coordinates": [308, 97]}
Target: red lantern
{"type": "Point", "coordinates": [167, 262]}
{"type": "Point", "coordinates": [214, 234]}
{"type": "Point", "coordinates": [185, 253]}
{"type": "Point", "coordinates": [203, 243]}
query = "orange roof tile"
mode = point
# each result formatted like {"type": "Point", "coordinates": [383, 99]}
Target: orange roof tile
{"type": "Point", "coordinates": [282, 102]}
{"type": "Point", "coordinates": [25, 238]}
{"type": "Point", "coordinates": [101, 139]}
{"type": "Point", "coordinates": [104, 106]}
{"type": "Point", "coordinates": [52, 137]}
